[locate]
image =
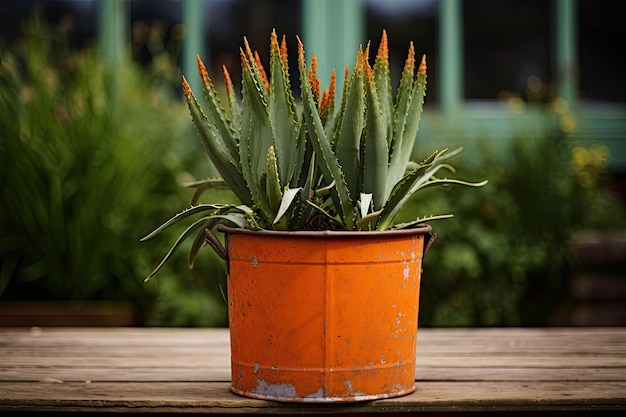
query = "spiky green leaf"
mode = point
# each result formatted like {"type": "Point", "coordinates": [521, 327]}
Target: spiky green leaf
{"type": "Point", "coordinates": [217, 115]}
{"type": "Point", "coordinates": [375, 151]}
{"type": "Point", "coordinates": [256, 133]}
{"type": "Point", "coordinates": [350, 127]}
{"type": "Point", "coordinates": [191, 211]}
{"type": "Point", "coordinates": [324, 154]}
{"type": "Point", "coordinates": [382, 78]}
{"type": "Point", "coordinates": [227, 166]}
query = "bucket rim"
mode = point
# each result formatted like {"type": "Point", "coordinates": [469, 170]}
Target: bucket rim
{"type": "Point", "coordinates": [422, 229]}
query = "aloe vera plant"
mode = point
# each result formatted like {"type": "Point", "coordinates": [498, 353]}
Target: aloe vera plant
{"type": "Point", "coordinates": [305, 165]}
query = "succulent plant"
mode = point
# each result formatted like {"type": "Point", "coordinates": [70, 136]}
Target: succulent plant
{"type": "Point", "coordinates": [302, 165]}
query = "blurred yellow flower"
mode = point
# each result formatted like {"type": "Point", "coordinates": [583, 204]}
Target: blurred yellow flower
{"type": "Point", "coordinates": [589, 163]}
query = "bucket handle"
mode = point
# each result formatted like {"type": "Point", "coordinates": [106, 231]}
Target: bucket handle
{"type": "Point", "coordinates": [215, 243]}
{"type": "Point", "coordinates": [429, 239]}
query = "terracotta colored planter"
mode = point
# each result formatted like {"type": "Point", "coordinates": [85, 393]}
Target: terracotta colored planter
{"type": "Point", "coordinates": [323, 316]}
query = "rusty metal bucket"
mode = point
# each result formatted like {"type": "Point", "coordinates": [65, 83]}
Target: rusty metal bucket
{"type": "Point", "coordinates": [323, 316]}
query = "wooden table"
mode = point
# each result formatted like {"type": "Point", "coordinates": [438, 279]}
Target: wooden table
{"type": "Point", "coordinates": [160, 371]}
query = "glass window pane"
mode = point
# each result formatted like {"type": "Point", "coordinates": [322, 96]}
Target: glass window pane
{"type": "Point", "coordinates": [405, 21]}
{"type": "Point", "coordinates": [601, 58]}
{"type": "Point", "coordinates": [228, 21]}
{"type": "Point", "coordinates": [507, 47]}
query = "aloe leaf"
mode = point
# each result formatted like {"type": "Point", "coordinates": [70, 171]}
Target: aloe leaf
{"type": "Point", "coordinates": [206, 183]}
{"type": "Point", "coordinates": [369, 221]}
{"type": "Point", "coordinates": [326, 215]}
{"type": "Point", "coordinates": [418, 179]}
{"type": "Point", "coordinates": [442, 156]}
{"type": "Point", "coordinates": [234, 219]}
{"type": "Point", "coordinates": [308, 182]}
{"type": "Point", "coordinates": [263, 209]}
{"type": "Point", "coordinates": [256, 71]}
{"type": "Point", "coordinates": [403, 190]}
{"type": "Point", "coordinates": [273, 193]}
{"type": "Point", "coordinates": [289, 197]}
{"type": "Point", "coordinates": [188, 232]}
{"type": "Point", "coordinates": [435, 166]}
{"type": "Point", "coordinates": [342, 108]}
{"type": "Point", "coordinates": [422, 220]}
{"type": "Point", "coordinates": [197, 244]}
{"type": "Point", "coordinates": [216, 113]}
{"type": "Point", "coordinates": [352, 121]}
{"type": "Point", "coordinates": [365, 203]}
{"type": "Point", "coordinates": [416, 107]}
{"type": "Point", "coordinates": [382, 78]}
{"type": "Point", "coordinates": [256, 133]}
{"type": "Point", "coordinates": [324, 154]}
{"type": "Point", "coordinates": [233, 103]}
{"type": "Point", "coordinates": [234, 216]}
{"type": "Point", "coordinates": [450, 181]}
{"type": "Point", "coordinates": [203, 185]}
{"type": "Point", "coordinates": [282, 116]}
{"type": "Point", "coordinates": [401, 117]}
{"type": "Point", "coordinates": [183, 215]}
{"type": "Point", "coordinates": [375, 155]}
{"type": "Point", "coordinates": [227, 166]}
{"type": "Point", "coordinates": [305, 154]}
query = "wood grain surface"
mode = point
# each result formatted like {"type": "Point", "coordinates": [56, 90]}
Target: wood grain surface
{"type": "Point", "coordinates": [160, 371]}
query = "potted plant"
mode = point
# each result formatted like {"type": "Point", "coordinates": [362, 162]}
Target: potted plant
{"type": "Point", "coordinates": [323, 286]}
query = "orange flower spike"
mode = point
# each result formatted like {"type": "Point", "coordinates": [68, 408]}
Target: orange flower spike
{"type": "Point", "coordinates": [247, 49]}
{"type": "Point", "coordinates": [313, 80]}
{"type": "Point", "coordinates": [262, 73]}
{"type": "Point", "coordinates": [369, 73]}
{"type": "Point", "coordinates": [346, 78]}
{"type": "Point", "coordinates": [409, 64]}
{"type": "Point", "coordinates": [300, 51]}
{"type": "Point", "coordinates": [367, 68]}
{"type": "Point", "coordinates": [366, 53]}
{"type": "Point", "coordinates": [283, 50]}
{"type": "Point", "coordinates": [204, 74]}
{"type": "Point", "coordinates": [274, 47]}
{"type": "Point", "coordinates": [186, 88]}
{"type": "Point", "coordinates": [244, 61]}
{"type": "Point", "coordinates": [331, 87]}
{"type": "Point", "coordinates": [328, 95]}
{"type": "Point", "coordinates": [422, 68]}
{"type": "Point", "coordinates": [325, 101]}
{"type": "Point", "coordinates": [227, 80]}
{"type": "Point", "coordinates": [274, 43]}
{"type": "Point", "coordinates": [383, 49]}
{"type": "Point", "coordinates": [358, 65]}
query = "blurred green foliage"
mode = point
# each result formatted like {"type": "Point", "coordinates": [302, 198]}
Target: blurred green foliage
{"type": "Point", "coordinates": [506, 257]}
{"type": "Point", "coordinates": [91, 157]}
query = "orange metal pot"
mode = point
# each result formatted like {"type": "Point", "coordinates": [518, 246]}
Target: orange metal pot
{"type": "Point", "coordinates": [323, 316]}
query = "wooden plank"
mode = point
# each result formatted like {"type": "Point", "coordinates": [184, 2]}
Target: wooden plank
{"type": "Point", "coordinates": [222, 362]}
{"type": "Point", "coordinates": [196, 336]}
{"type": "Point", "coordinates": [205, 374]}
{"type": "Point", "coordinates": [217, 398]}
{"type": "Point", "coordinates": [448, 340]}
